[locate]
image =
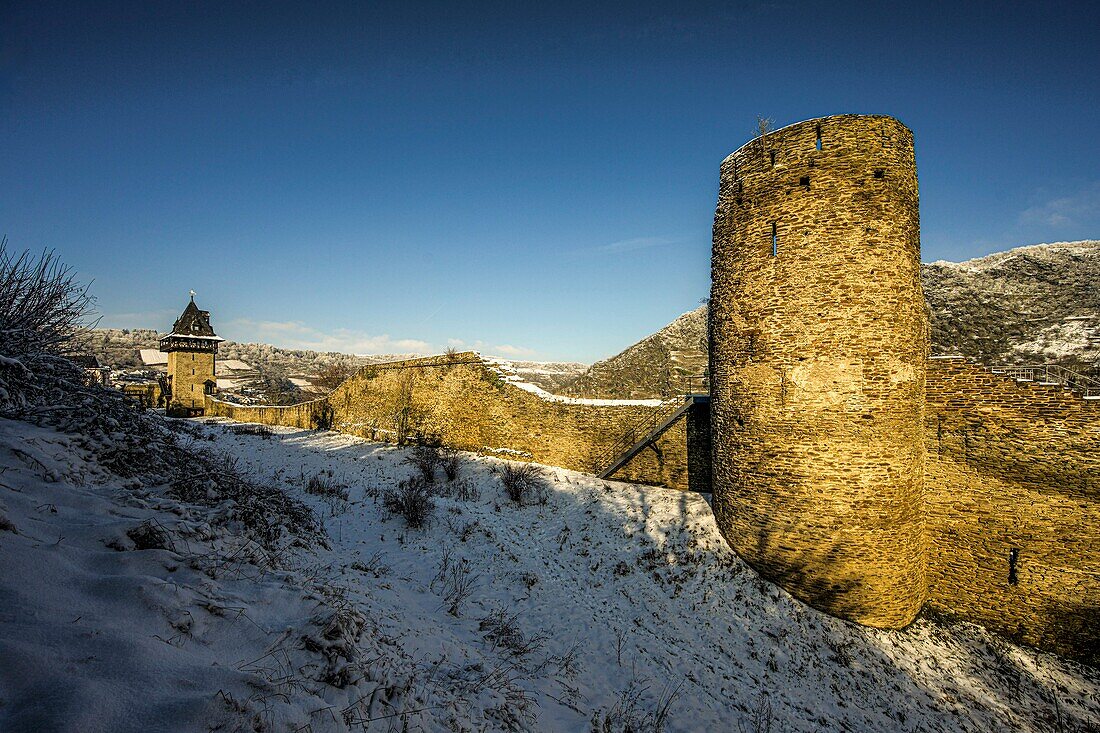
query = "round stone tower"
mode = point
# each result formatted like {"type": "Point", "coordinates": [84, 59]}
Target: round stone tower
{"type": "Point", "coordinates": [818, 342]}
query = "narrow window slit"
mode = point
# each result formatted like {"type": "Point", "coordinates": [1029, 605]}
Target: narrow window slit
{"type": "Point", "coordinates": [804, 181]}
{"type": "Point", "coordinates": [1013, 556]}
{"type": "Point", "coordinates": [772, 156]}
{"type": "Point", "coordinates": [817, 144]}
{"type": "Point", "coordinates": [880, 173]}
{"type": "Point", "coordinates": [775, 241]}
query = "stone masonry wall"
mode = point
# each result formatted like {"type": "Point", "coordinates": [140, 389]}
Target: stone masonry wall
{"type": "Point", "coordinates": [469, 406]}
{"type": "Point", "coordinates": [189, 371]}
{"type": "Point", "coordinates": [1014, 467]}
{"type": "Point", "coordinates": [819, 339]}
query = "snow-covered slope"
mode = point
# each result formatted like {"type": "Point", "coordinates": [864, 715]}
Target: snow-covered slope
{"type": "Point", "coordinates": [658, 365]}
{"type": "Point", "coordinates": [1028, 305]}
{"type": "Point", "coordinates": [611, 603]}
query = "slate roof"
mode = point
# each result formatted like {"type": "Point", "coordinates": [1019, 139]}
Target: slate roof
{"type": "Point", "coordinates": [88, 361]}
{"type": "Point", "coordinates": [193, 322]}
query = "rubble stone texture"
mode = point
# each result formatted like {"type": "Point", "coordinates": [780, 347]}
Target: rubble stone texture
{"type": "Point", "coordinates": [819, 340]}
{"type": "Point", "coordinates": [1011, 484]}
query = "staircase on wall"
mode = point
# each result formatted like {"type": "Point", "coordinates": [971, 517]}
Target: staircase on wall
{"type": "Point", "coordinates": [651, 428]}
{"type": "Point", "coordinates": [1052, 375]}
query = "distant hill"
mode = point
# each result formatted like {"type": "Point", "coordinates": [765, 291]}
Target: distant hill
{"type": "Point", "coordinates": [1034, 304]}
{"type": "Point", "coordinates": [1027, 305]}
{"type": "Point", "coordinates": [658, 364]}
{"type": "Point", "coordinates": [550, 375]}
{"type": "Point", "coordinates": [119, 349]}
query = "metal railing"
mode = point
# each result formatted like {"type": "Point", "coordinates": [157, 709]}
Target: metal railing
{"type": "Point", "coordinates": [642, 429]}
{"type": "Point", "coordinates": [692, 386]}
{"type": "Point", "coordinates": [1082, 384]}
{"type": "Point", "coordinates": [697, 385]}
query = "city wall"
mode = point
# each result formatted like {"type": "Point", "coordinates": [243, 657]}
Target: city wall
{"type": "Point", "coordinates": [467, 404]}
{"type": "Point", "coordinates": [850, 469]}
{"type": "Point", "coordinates": [1012, 483]}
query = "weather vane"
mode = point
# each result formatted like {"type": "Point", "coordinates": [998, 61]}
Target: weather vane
{"type": "Point", "coordinates": [192, 295]}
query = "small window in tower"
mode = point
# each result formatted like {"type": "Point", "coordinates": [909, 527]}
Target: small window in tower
{"type": "Point", "coordinates": [1013, 556]}
{"type": "Point", "coordinates": [804, 181]}
{"type": "Point", "coordinates": [817, 144]}
{"type": "Point", "coordinates": [772, 156]}
{"type": "Point", "coordinates": [775, 241]}
{"type": "Point", "coordinates": [880, 173]}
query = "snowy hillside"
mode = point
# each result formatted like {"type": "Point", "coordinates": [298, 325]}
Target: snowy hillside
{"type": "Point", "coordinates": [609, 606]}
{"type": "Point", "coordinates": [1029, 305]}
{"type": "Point", "coordinates": [658, 365]}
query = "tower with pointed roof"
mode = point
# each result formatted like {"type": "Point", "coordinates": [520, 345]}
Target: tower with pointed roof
{"type": "Point", "coordinates": [192, 350]}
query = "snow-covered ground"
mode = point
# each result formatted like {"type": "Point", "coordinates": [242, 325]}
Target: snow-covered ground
{"type": "Point", "coordinates": [611, 606]}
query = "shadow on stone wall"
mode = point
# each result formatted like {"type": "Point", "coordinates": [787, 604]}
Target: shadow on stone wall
{"type": "Point", "coordinates": [814, 579]}
{"type": "Point", "coordinates": [1080, 622]}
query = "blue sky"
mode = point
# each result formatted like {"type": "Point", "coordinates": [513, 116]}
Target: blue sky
{"type": "Point", "coordinates": [537, 180]}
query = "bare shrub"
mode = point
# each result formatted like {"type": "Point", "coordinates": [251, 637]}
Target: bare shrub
{"type": "Point", "coordinates": [633, 712]}
{"type": "Point", "coordinates": [501, 629]}
{"type": "Point", "coordinates": [42, 306]}
{"type": "Point", "coordinates": [261, 431]}
{"type": "Point", "coordinates": [149, 535]}
{"type": "Point", "coordinates": [426, 458]}
{"type": "Point", "coordinates": [265, 512]}
{"type": "Point", "coordinates": [322, 417]}
{"type": "Point", "coordinates": [449, 460]}
{"type": "Point", "coordinates": [405, 414]}
{"type": "Point", "coordinates": [761, 719]}
{"type": "Point", "coordinates": [323, 484]}
{"type": "Point", "coordinates": [468, 530]}
{"type": "Point", "coordinates": [373, 565]}
{"type": "Point", "coordinates": [454, 582]}
{"type": "Point", "coordinates": [334, 632]}
{"type": "Point", "coordinates": [524, 483]}
{"type": "Point", "coordinates": [465, 491]}
{"type": "Point", "coordinates": [412, 499]}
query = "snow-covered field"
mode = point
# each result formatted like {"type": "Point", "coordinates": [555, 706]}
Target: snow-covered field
{"type": "Point", "coordinates": [610, 607]}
